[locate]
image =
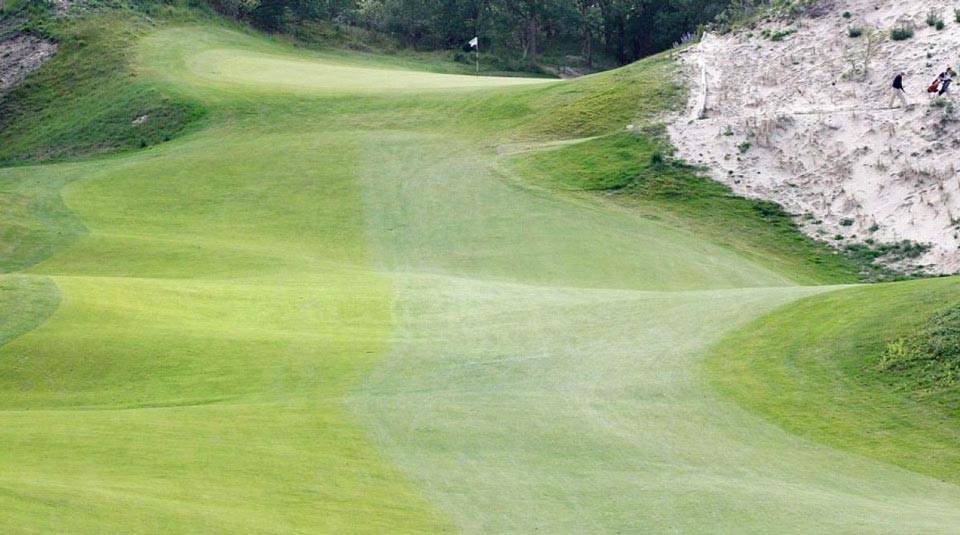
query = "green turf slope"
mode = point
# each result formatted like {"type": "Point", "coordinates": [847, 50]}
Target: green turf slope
{"type": "Point", "coordinates": [331, 312]}
{"type": "Point", "coordinates": [813, 367]}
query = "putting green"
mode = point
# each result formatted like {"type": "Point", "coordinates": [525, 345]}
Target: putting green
{"type": "Point", "coordinates": [273, 71]}
{"type": "Point", "coordinates": [329, 312]}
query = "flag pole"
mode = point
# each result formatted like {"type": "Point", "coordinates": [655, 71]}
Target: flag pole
{"type": "Point", "coordinates": [477, 37]}
{"type": "Point", "coordinates": [475, 45]}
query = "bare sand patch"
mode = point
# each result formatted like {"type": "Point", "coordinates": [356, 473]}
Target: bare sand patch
{"type": "Point", "coordinates": [19, 56]}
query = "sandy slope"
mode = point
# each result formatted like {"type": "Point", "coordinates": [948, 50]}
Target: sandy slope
{"type": "Point", "coordinates": [822, 140]}
{"type": "Point", "coordinates": [19, 56]}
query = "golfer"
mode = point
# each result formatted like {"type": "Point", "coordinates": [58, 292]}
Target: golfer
{"type": "Point", "coordinates": [898, 92]}
{"type": "Point", "coordinates": [946, 77]}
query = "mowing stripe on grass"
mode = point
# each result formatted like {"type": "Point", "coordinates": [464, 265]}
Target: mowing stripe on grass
{"type": "Point", "coordinates": [25, 302]}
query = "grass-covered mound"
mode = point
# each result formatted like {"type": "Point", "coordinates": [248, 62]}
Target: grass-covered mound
{"type": "Point", "coordinates": [870, 370]}
{"type": "Point", "coordinates": [606, 163]}
{"type": "Point", "coordinates": [607, 102]}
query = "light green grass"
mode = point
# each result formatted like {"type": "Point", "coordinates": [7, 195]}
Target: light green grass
{"type": "Point", "coordinates": [332, 310]}
{"type": "Point", "coordinates": [276, 72]}
{"type": "Point", "coordinates": [522, 409]}
{"type": "Point", "coordinates": [436, 204]}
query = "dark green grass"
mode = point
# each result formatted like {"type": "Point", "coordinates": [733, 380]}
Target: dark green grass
{"type": "Point", "coordinates": [87, 99]}
{"type": "Point", "coordinates": [633, 168]}
{"type": "Point", "coordinates": [817, 368]}
{"type": "Point", "coordinates": [599, 164]}
{"type": "Point", "coordinates": [326, 36]}
{"type": "Point", "coordinates": [761, 229]}
{"type": "Point", "coordinates": [10, 6]}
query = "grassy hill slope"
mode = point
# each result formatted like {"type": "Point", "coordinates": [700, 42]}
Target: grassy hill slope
{"type": "Point", "coordinates": [815, 368]}
{"type": "Point", "coordinates": [85, 100]}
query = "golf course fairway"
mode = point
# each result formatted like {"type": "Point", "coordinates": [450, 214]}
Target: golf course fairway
{"type": "Point", "coordinates": [333, 307]}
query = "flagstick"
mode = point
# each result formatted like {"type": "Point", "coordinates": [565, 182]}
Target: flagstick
{"type": "Point", "coordinates": [477, 57]}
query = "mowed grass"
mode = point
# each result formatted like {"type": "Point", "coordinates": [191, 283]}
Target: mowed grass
{"type": "Point", "coordinates": [210, 320]}
{"type": "Point", "coordinates": [26, 303]}
{"type": "Point", "coordinates": [635, 171]}
{"type": "Point", "coordinates": [330, 311]}
{"type": "Point", "coordinates": [522, 409]}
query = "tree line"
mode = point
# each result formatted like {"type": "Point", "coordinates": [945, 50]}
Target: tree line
{"type": "Point", "coordinates": [624, 30]}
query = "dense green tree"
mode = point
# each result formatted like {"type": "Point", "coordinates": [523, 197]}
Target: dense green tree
{"type": "Point", "coordinates": [623, 29]}
{"type": "Point", "coordinates": [590, 24]}
{"type": "Point", "coordinates": [410, 20]}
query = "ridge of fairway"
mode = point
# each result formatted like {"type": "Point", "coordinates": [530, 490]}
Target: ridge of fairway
{"type": "Point", "coordinates": [509, 149]}
{"type": "Point", "coordinates": [443, 209]}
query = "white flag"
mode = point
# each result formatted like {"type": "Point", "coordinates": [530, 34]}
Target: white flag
{"type": "Point", "coordinates": [475, 42]}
